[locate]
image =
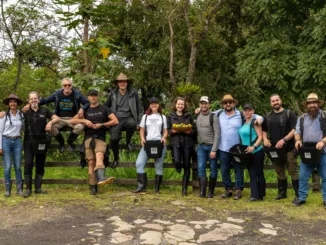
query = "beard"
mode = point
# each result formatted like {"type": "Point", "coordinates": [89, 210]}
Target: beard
{"type": "Point", "coordinates": [313, 112]}
{"type": "Point", "coordinates": [228, 109]}
{"type": "Point", "coordinates": [34, 105]}
{"type": "Point", "coordinates": [277, 107]}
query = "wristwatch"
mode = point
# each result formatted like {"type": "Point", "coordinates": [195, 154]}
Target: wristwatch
{"type": "Point", "coordinates": [285, 140]}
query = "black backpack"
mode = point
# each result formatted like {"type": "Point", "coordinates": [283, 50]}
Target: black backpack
{"type": "Point", "coordinates": [284, 121]}
{"type": "Point", "coordinates": [322, 122]}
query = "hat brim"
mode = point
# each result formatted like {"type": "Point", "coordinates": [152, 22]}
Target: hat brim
{"type": "Point", "coordinates": [128, 80]}
{"type": "Point", "coordinates": [320, 102]}
{"type": "Point", "coordinates": [19, 101]}
{"type": "Point", "coordinates": [235, 101]}
{"type": "Point", "coordinates": [206, 101]}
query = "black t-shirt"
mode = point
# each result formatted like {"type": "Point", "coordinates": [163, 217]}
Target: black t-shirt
{"type": "Point", "coordinates": [123, 108]}
{"type": "Point", "coordinates": [67, 107]}
{"type": "Point", "coordinates": [36, 121]}
{"type": "Point", "coordinates": [278, 130]}
{"type": "Point", "coordinates": [97, 114]}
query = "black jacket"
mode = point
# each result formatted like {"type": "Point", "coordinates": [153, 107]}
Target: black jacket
{"type": "Point", "coordinates": [189, 139]}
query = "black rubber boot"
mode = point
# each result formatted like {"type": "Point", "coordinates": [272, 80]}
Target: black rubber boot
{"type": "Point", "coordinates": [28, 182]}
{"type": "Point", "coordinates": [61, 142]}
{"type": "Point", "coordinates": [38, 184]}
{"type": "Point", "coordinates": [8, 189]}
{"type": "Point", "coordinates": [100, 175]}
{"type": "Point", "coordinates": [295, 184]}
{"type": "Point", "coordinates": [93, 189]}
{"type": "Point", "coordinates": [19, 187]}
{"type": "Point", "coordinates": [211, 187]}
{"type": "Point", "coordinates": [185, 183]}
{"type": "Point", "coordinates": [115, 150]}
{"type": "Point", "coordinates": [158, 181]}
{"type": "Point", "coordinates": [129, 134]}
{"type": "Point", "coordinates": [202, 186]}
{"type": "Point", "coordinates": [142, 182]}
{"type": "Point", "coordinates": [282, 189]}
{"type": "Point", "coordinates": [72, 137]}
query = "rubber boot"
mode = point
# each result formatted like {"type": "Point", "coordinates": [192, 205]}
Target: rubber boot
{"type": "Point", "coordinates": [142, 182]}
{"type": "Point", "coordinates": [93, 189]}
{"type": "Point", "coordinates": [115, 150]}
{"type": "Point", "coordinates": [295, 184]}
{"type": "Point", "coordinates": [211, 187]}
{"type": "Point", "coordinates": [8, 189]}
{"type": "Point", "coordinates": [72, 137]}
{"type": "Point", "coordinates": [19, 187]}
{"type": "Point", "coordinates": [100, 175]}
{"type": "Point", "coordinates": [61, 142]}
{"type": "Point", "coordinates": [282, 189]}
{"type": "Point", "coordinates": [38, 184]}
{"type": "Point", "coordinates": [185, 183]}
{"type": "Point", "coordinates": [202, 186]}
{"type": "Point", "coordinates": [158, 181]}
{"type": "Point", "coordinates": [28, 182]}
{"type": "Point", "coordinates": [129, 133]}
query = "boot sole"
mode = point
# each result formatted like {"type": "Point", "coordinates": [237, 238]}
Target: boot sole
{"type": "Point", "coordinates": [107, 181]}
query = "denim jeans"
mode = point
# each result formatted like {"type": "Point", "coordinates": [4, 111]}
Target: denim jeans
{"type": "Point", "coordinates": [225, 161]}
{"type": "Point", "coordinates": [305, 173]}
{"type": "Point", "coordinates": [12, 148]}
{"type": "Point", "coordinates": [203, 152]}
{"type": "Point", "coordinates": [142, 160]}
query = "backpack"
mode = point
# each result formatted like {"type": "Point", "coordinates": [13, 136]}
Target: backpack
{"type": "Point", "coordinates": [283, 121]}
{"type": "Point", "coordinates": [21, 118]}
{"type": "Point", "coordinates": [322, 119]}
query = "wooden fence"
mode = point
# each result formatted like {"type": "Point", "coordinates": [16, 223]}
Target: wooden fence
{"type": "Point", "coordinates": [194, 183]}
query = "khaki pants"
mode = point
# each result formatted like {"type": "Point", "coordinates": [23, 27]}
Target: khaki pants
{"type": "Point", "coordinates": [64, 122]}
{"type": "Point", "coordinates": [290, 163]}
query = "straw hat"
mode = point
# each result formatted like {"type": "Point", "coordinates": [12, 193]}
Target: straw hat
{"type": "Point", "coordinates": [123, 77]}
{"type": "Point", "coordinates": [313, 98]}
{"type": "Point", "coordinates": [12, 97]}
{"type": "Point", "coordinates": [228, 97]}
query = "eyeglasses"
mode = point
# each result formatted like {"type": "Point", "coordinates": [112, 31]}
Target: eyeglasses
{"type": "Point", "coordinates": [228, 102]}
{"type": "Point", "coordinates": [67, 85]}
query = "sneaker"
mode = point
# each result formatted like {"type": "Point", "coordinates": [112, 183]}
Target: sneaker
{"type": "Point", "coordinates": [252, 200]}
{"type": "Point", "coordinates": [298, 202]}
{"type": "Point", "coordinates": [238, 195]}
{"type": "Point", "coordinates": [227, 194]}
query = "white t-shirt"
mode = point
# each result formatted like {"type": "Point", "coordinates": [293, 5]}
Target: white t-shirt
{"type": "Point", "coordinates": [153, 126]}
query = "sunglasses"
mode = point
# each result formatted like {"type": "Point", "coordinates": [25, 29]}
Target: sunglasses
{"type": "Point", "coordinates": [67, 85]}
{"type": "Point", "coordinates": [228, 102]}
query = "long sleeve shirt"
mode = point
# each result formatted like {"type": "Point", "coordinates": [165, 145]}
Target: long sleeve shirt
{"type": "Point", "coordinates": [12, 129]}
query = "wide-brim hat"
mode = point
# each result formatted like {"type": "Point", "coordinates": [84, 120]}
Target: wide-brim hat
{"type": "Point", "coordinates": [123, 77]}
{"type": "Point", "coordinates": [228, 97]}
{"type": "Point", "coordinates": [313, 98]}
{"type": "Point", "coordinates": [13, 97]}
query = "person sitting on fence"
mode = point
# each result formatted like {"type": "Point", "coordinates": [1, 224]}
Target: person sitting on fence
{"type": "Point", "coordinates": [251, 136]}
{"type": "Point", "coordinates": [36, 142]}
{"type": "Point", "coordinates": [180, 128]}
{"type": "Point", "coordinates": [97, 118]}
{"type": "Point", "coordinates": [11, 127]}
{"type": "Point", "coordinates": [280, 125]}
{"type": "Point", "coordinates": [311, 128]}
{"type": "Point", "coordinates": [125, 103]}
{"type": "Point", "coordinates": [153, 133]}
{"type": "Point", "coordinates": [67, 103]}
{"type": "Point", "coordinates": [208, 128]}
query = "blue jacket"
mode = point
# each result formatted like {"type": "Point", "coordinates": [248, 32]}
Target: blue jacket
{"type": "Point", "coordinates": [79, 99]}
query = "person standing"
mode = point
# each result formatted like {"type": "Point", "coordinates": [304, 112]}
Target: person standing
{"type": "Point", "coordinates": [153, 127]}
{"type": "Point", "coordinates": [36, 125]}
{"type": "Point", "coordinates": [124, 102]}
{"type": "Point", "coordinates": [251, 136]}
{"type": "Point", "coordinates": [279, 125]}
{"type": "Point", "coordinates": [208, 129]}
{"type": "Point", "coordinates": [311, 127]}
{"type": "Point", "coordinates": [97, 118]}
{"type": "Point", "coordinates": [11, 126]}
{"type": "Point", "coordinates": [182, 143]}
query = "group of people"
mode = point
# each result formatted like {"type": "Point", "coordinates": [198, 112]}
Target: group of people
{"type": "Point", "coordinates": [210, 136]}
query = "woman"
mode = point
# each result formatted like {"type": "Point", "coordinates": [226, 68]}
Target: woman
{"type": "Point", "coordinates": [11, 126]}
{"type": "Point", "coordinates": [153, 127]}
{"type": "Point", "coordinates": [251, 136]}
{"type": "Point", "coordinates": [182, 142]}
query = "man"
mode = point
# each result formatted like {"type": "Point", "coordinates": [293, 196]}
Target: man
{"type": "Point", "coordinates": [208, 129]}
{"type": "Point", "coordinates": [231, 121]}
{"type": "Point", "coordinates": [311, 128]}
{"type": "Point", "coordinates": [96, 119]}
{"type": "Point", "coordinates": [67, 103]}
{"type": "Point", "coordinates": [35, 126]}
{"type": "Point", "coordinates": [124, 102]}
{"type": "Point", "coordinates": [280, 124]}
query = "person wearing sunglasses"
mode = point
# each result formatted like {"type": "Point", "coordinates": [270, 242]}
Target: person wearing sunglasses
{"type": "Point", "coordinates": [67, 103]}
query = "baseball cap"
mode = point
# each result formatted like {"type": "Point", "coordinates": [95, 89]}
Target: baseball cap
{"type": "Point", "coordinates": [92, 92]}
{"type": "Point", "coordinates": [153, 100]}
{"type": "Point", "coordinates": [204, 99]}
{"type": "Point", "coordinates": [248, 106]}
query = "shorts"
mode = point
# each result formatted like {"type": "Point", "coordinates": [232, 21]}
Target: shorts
{"type": "Point", "coordinates": [100, 146]}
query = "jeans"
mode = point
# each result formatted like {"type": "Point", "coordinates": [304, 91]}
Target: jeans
{"type": "Point", "coordinates": [12, 148]}
{"type": "Point", "coordinates": [203, 152]}
{"type": "Point", "coordinates": [256, 173]}
{"type": "Point", "coordinates": [29, 157]}
{"type": "Point", "coordinates": [305, 173]}
{"type": "Point", "coordinates": [142, 160]}
{"type": "Point", "coordinates": [225, 161]}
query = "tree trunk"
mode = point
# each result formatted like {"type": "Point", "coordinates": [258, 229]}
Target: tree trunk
{"type": "Point", "coordinates": [85, 41]}
{"type": "Point", "coordinates": [192, 63]}
{"type": "Point", "coordinates": [172, 78]}
{"type": "Point", "coordinates": [19, 70]}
